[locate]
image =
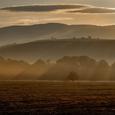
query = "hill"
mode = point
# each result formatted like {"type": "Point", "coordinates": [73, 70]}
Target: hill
{"type": "Point", "coordinates": [22, 34]}
{"type": "Point", "coordinates": [53, 49]}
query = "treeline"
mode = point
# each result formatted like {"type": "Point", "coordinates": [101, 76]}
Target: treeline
{"type": "Point", "coordinates": [66, 68]}
{"type": "Point", "coordinates": [10, 68]}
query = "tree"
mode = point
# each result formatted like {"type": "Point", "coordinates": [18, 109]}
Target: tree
{"type": "Point", "coordinates": [102, 71]}
{"type": "Point", "coordinates": [112, 72]}
{"type": "Point", "coordinates": [72, 76]}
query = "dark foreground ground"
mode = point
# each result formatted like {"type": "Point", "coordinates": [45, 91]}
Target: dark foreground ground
{"type": "Point", "coordinates": [57, 98]}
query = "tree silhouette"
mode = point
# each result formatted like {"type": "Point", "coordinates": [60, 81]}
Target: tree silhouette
{"type": "Point", "coordinates": [72, 76]}
{"type": "Point", "coordinates": [112, 72]}
{"type": "Point", "coordinates": [101, 71]}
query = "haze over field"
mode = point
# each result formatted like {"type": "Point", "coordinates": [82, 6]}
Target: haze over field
{"type": "Point", "coordinates": [64, 69]}
{"type": "Point", "coordinates": [57, 57]}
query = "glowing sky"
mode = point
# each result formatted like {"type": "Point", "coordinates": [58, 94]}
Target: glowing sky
{"type": "Point", "coordinates": [102, 3]}
{"type": "Point", "coordinates": [93, 15]}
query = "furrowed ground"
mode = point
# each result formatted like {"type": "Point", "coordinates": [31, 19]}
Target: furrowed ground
{"type": "Point", "coordinates": [57, 98]}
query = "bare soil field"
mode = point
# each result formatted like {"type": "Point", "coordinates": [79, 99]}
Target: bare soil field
{"type": "Point", "coordinates": [57, 98]}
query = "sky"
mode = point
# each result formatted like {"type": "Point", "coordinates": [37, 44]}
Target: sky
{"type": "Point", "coordinates": [92, 14]}
{"type": "Point", "coordinates": [102, 3]}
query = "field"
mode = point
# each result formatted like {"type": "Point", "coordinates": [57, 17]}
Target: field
{"type": "Point", "coordinates": [57, 98]}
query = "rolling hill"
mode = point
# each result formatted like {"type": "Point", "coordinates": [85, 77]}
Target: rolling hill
{"type": "Point", "coordinates": [53, 49]}
{"type": "Point", "coordinates": [23, 34]}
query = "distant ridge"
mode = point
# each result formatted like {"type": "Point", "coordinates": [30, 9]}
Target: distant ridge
{"type": "Point", "coordinates": [22, 34]}
{"type": "Point", "coordinates": [54, 49]}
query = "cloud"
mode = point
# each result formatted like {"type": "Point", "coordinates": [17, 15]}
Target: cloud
{"type": "Point", "coordinates": [26, 21]}
{"type": "Point", "coordinates": [94, 10]}
{"type": "Point", "coordinates": [53, 19]}
{"type": "Point", "coordinates": [42, 8]}
{"type": "Point", "coordinates": [77, 8]}
{"type": "Point", "coordinates": [86, 14]}
{"type": "Point", "coordinates": [34, 21]}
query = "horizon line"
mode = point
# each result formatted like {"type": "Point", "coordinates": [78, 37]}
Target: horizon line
{"type": "Point", "coordinates": [27, 25]}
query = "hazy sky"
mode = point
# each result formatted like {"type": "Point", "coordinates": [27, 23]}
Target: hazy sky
{"type": "Point", "coordinates": [89, 16]}
{"type": "Point", "coordinates": [104, 3]}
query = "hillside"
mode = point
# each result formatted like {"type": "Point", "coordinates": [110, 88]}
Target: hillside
{"type": "Point", "coordinates": [22, 34]}
{"type": "Point", "coordinates": [53, 49]}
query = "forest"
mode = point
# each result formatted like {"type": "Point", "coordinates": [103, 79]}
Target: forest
{"type": "Point", "coordinates": [66, 68]}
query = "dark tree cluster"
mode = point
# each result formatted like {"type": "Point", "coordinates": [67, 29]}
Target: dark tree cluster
{"type": "Point", "coordinates": [66, 68]}
{"type": "Point", "coordinates": [80, 68]}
